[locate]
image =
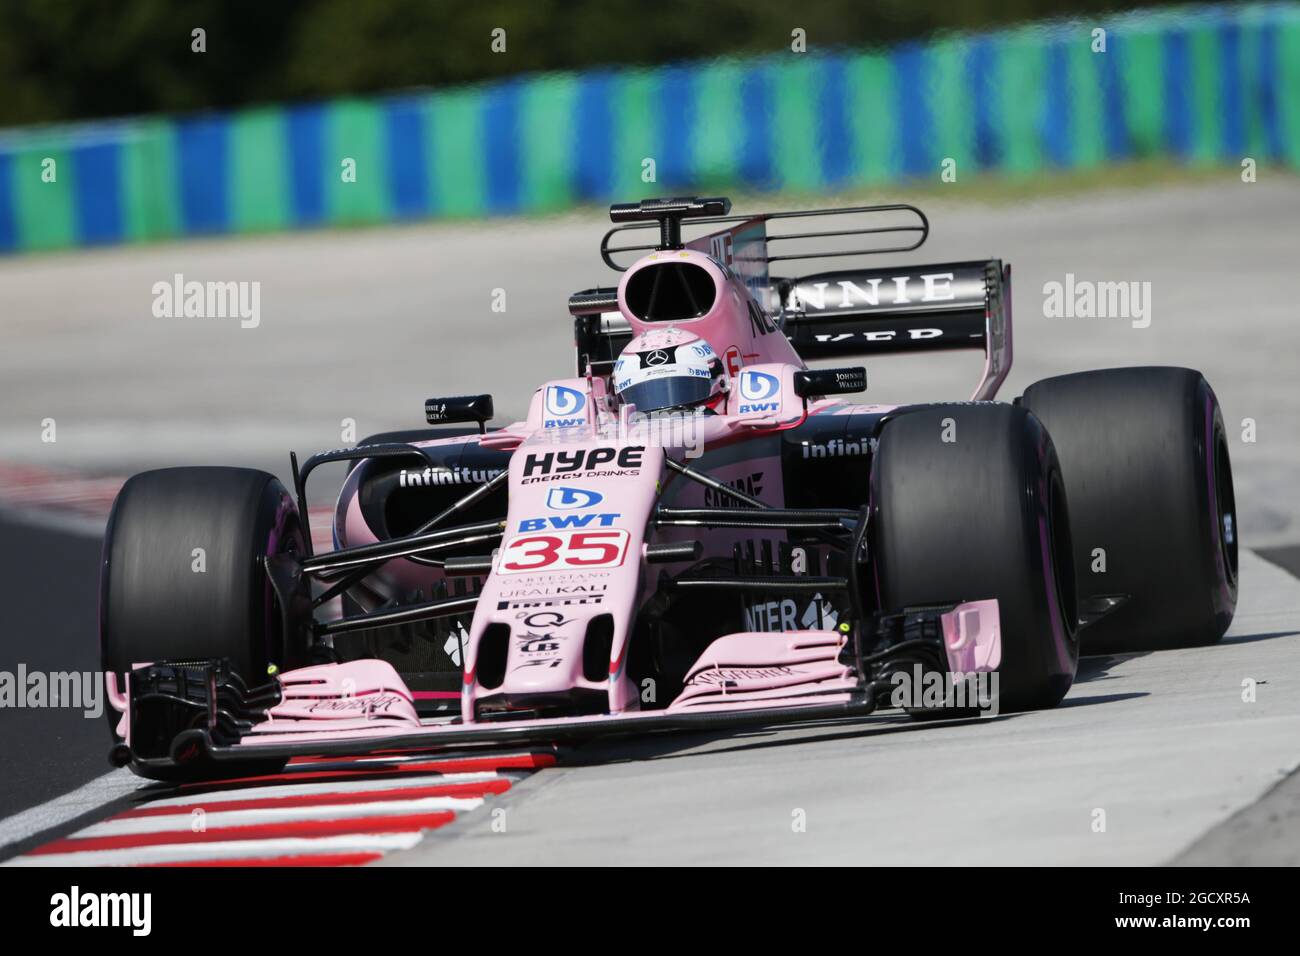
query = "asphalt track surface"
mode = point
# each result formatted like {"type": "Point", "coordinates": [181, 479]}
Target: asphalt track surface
{"type": "Point", "coordinates": [50, 604]}
{"type": "Point", "coordinates": [365, 325]}
{"type": "Point", "coordinates": [1162, 743]}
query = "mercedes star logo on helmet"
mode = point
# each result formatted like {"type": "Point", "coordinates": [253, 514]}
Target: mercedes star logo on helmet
{"type": "Point", "coordinates": [657, 357]}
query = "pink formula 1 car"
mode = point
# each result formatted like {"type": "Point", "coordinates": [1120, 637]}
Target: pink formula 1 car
{"type": "Point", "coordinates": [697, 530]}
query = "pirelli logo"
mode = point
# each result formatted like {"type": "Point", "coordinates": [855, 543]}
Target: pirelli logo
{"type": "Point", "coordinates": [549, 602]}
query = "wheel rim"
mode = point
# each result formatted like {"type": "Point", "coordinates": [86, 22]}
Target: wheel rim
{"type": "Point", "coordinates": [1225, 506]}
{"type": "Point", "coordinates": [1062, 551]}
{"type": "Point", "coordinates": [285, 537]}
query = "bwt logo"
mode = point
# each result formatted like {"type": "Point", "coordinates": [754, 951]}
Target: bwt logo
{"type": "Point", "coordinates": [568, 499]}
{"type": "Point", "coordinates": [760, 391]}
{"type": "Point", "coordinates": [560, 522]}
{"type": "Point", "coordinates": [563, 405]}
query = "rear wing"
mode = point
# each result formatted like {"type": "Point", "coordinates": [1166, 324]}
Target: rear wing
{"type": "Point", "coordinates": [958, 305]}
{"type": "Point", "coordinates": [762, 239]}
{"type": "Point", "coordinates": [850, 312]}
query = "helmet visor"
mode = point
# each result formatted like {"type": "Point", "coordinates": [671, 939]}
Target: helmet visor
{"type": "Point", "coordinates": [668, 391]}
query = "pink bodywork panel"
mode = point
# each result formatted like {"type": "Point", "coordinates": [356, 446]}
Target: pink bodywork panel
{"type": "Point", "coordinates": [365, 694]}
{"type": "Point", "coordinates": [769, 669]}
{"type": "Point", "coordinates": [972, 635]}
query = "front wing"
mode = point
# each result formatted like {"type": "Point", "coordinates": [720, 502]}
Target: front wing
{"type": "Point", "coordinates": [190, 719]}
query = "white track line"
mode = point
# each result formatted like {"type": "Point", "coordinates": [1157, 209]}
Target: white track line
{"type": "Point", "coordinates": [234, 850]}
{"type": "Point", "coordinates": [60, 810]}
{"type": "Point", "coordinates": [218, 819]}
{"type": "Point", "coordinates": [299, 789]}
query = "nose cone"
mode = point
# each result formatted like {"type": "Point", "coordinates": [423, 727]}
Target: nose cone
{"type": "Point", "coordinates": [556, 658]}
{"type": "Point", "coordinates": [555, 611]}
{"type": "Point", "coordinates": [545, 658]}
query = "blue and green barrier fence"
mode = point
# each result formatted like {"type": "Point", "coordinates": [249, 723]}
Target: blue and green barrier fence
{"type": "Point", "coordinates": [1201, 86]}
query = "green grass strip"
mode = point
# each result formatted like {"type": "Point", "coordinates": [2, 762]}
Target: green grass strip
{"type": "Point", "coordinates": [872, 121]}
{"type": "Point", "coordinates": [355, 131]}
{"type": "Point", "coordinates": [1020, 88]}
{"type": "Point", "coordinates": [44, 210]}
{"type": "Point", "coordinates": [796, 82]}
{"type": "Point", "coordinates": [1288, 56]}
{"type": "Point", "coordinates": [547, 134]}
{"type": "Point", "coordinates": [1142, 72]}
{"type": "Point", "coordinates": [951, 112]}
{"type": "Point", "coordinates": [1087, 122]}
{"type": "Point", "coordinates": [456, 186]}
{"type": "Point", "coordinates": [259, 189]}
{"type": "Point", "coordinates": [718, 135]}
{"type": "Point", "coordinates": [1207, 127]}
{"type": "Point", "coordinates": [150, 204]}
{"type": "Point", "coordinates": [634, 100]}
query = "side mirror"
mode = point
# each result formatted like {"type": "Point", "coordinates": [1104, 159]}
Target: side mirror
{"type": "Point", "coordinates": [461, 408]}
{"type": "Point", "coordinates": [829, 381]}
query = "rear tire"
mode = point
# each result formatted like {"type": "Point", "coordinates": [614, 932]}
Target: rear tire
{"type": "Point", "coordinates": [980, 516]}
{"type": "Point", "coordinates": [155, 603]}
{"type": "Point", "coordinates": [1145, 458]}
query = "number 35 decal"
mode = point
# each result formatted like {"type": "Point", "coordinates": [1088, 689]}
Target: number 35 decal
{"type": "Point", "coordinates": [563, 550]}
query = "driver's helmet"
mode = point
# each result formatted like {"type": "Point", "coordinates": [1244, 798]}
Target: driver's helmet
{"type": "Point", "coordinates": [668, 368]}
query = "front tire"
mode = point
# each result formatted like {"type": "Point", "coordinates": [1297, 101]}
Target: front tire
{"type": "Point", "coordinates": [183, 575]}
{"type": "Point", "coordinates": [968, 503]}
